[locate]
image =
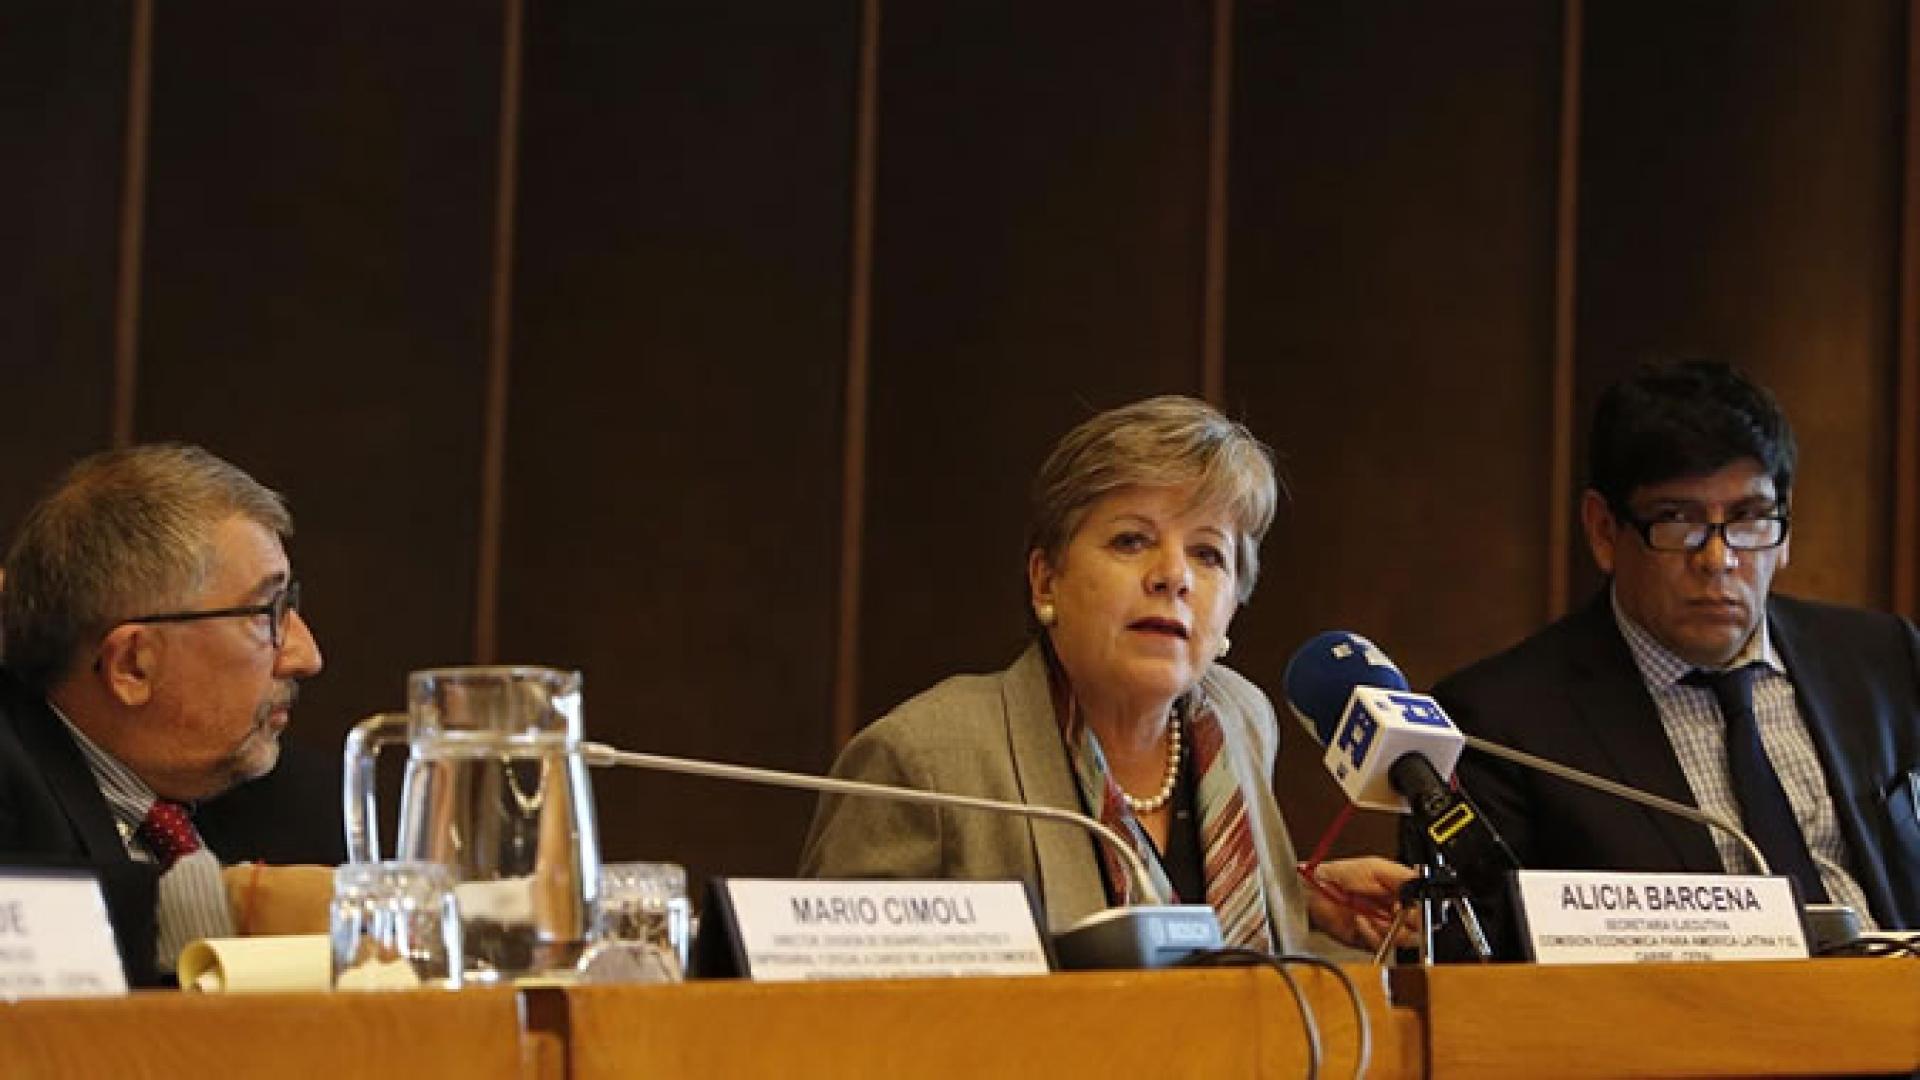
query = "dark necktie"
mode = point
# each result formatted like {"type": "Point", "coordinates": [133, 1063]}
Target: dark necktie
{"type": "Point", "coordinates": [192, 900]}
{"type": "Point", "coordinates": [1764, 808]}
{"type": "Point", "coordinates": [168, 833]}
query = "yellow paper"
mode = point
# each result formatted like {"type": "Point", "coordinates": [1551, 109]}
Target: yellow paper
{"type": "Point", "coordinates": [257, 964]}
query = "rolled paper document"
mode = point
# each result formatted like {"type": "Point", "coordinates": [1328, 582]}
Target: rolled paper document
{"type": "Point", "coordinates": [257, 964]}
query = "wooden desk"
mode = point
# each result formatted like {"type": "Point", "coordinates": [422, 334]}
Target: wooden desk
{"type": "Point", "coordinates": [1216, 1024]}
{"type": "Point", "coordinates": [1736, 1019]}
{"type": "Point", "coordinates": [474, 1034]}
{"type": "Point", "coordinates": [1802, 1017]}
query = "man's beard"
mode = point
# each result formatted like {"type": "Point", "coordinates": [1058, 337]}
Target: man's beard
{"type": "Point", "coordinates": [259, 751]}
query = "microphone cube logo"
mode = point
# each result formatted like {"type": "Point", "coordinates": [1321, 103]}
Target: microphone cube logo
{"type": "Point", "coordinates": [1379, 727]}
{"type": "Point", "coordinates": [1355, 738]}
{"type": "Point", "coordinates": [1419, 709]}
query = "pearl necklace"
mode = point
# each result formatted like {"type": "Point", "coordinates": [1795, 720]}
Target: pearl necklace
{"type": "Point", "coordinates": [1167, 783]}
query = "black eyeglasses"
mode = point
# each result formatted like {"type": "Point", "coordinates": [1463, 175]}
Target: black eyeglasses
{"type": "Point", "coordinates": [1740, 534]}
{"type": "Point", "coordinates": [284, 603]}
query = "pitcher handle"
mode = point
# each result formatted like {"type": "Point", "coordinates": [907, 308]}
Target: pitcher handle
{"type": "Point", "coordinates": [361, 813]}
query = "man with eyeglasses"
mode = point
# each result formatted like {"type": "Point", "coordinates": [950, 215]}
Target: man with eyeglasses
{"type": "Point", "coordinates": [1687, 678]}
{"type": "Point", "coordinates": [154, 648]}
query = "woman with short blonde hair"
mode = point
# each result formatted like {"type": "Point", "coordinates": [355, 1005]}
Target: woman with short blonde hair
{"type": "Point", "coordinates": [1145, 524]}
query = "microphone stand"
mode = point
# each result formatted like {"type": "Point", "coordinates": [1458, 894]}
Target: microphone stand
{"type": "Point", "coordinates": [1439, 891]}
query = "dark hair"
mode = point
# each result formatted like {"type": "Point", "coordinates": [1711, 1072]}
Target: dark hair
{"type": "Point", "coordinates": [1675, 419]}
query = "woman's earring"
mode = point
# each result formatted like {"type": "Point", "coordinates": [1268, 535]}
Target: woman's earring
{"type": "Point", "coordinates": [1044, 612]}
{"type": "Point", "coordinates": [1225, 644]}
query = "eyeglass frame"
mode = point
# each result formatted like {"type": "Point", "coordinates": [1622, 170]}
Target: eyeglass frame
{"type": "Point", "coordinates": [1644, 526]}
{"type": "Point", "coordinates": [283, 604]}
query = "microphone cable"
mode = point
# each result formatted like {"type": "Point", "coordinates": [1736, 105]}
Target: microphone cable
{"type": "Point", "coordinates": [1875, 946]}
{"type": "Point", "coordinates": [1240, 956]}
{"type": "Point", "coordinates": [1309, 872]}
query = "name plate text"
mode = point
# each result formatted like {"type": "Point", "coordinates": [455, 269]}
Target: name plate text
{"type": "Point", "coordinates": [55, 940]}
{"type": "Point", "coordinates": [797, 930]}
{"type": "Point", "coordinates": [1587, 917]}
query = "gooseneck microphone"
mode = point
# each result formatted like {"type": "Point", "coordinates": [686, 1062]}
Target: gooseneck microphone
{"type": "Point", "coordinates": [1829, 924]}
{"type": "Point", "coordinates": [1610, 787]}
{"type": "Point", "coordinates": [602, 754]}
{"type": "Point", "coordinates": [1153, 934]}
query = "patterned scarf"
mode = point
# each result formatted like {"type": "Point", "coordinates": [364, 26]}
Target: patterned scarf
{"type": "Point", "coordinates": [1226, 839]}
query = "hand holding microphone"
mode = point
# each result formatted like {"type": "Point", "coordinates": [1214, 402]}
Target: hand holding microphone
{"type": "Point", "coordinates": [1357, 901]}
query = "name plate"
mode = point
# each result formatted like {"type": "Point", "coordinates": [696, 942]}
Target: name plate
{"type": "Point", "coordinates": [55, 940]}
{"type": "Point", "coordinates": [786, 931]}
{"type": "Point", "coordinates": [1585, 917]}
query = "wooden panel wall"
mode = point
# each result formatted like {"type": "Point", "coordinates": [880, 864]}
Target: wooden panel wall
{"type": "Point", "coordinates": [1038, 252]}
{"type": "Point", "coordinates": [672, 497]}
{"type": "Point", "coordinates": [1741, 196]}
{"type": "Point", "coordinates": [63, 99]}
{"type": "Point", "coordinates": [1389, 326]}
{"type": "Point", "coordinates": [646, 338]}
{"type": "Point", "coordinates": [314, 303]}
{"type": "Point", "coordinates": [1905, 497]}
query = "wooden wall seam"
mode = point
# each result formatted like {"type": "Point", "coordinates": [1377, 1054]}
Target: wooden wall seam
{"type": "Point", "coordinates": [853, 460]}
{"type": "Point", "coordinates": [493, 456]}
{"type": "Point", "coordinates": [133, 203]}
{"type": "Point", "coordinates": [1213, 296]}
{"type": "Point", "coordinates": [1566, 240]}
{"type": "Point", "coordinates": [1906, 419]}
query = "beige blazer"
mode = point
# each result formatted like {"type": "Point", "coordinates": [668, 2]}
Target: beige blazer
{"type": "Point", "coordinates": [995, 736]}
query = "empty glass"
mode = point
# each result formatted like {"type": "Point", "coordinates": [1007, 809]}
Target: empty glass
{"type": "Point", "coordinates": [645, 903]}
{"type": "Point", "coordinates": [395, 926]}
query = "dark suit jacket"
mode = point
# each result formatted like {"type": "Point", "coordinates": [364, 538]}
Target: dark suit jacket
{"type": "Point", "coordinates": [1573, 694]}
{"type": "Point", "coordinates": [53, 815]}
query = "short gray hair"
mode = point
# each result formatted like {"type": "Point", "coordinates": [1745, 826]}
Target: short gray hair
{"type": "Point", "coordinates": [1163, 441]}
{"type": "Point", "coordinates": [123, 533]}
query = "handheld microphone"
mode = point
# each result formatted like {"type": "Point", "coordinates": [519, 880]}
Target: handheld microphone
{"type": "Point", "coordinates": [1155, 934]}
{"type": "Point", "coordinates": [1315, 677]}
{"type": "Point", "coordinates": [1392, 749]}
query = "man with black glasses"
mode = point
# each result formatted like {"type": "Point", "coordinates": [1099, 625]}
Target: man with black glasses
{"type": "Point", "coordinates": [1685, 677]}
{"type": "Point", "coordinates": [154, 647]}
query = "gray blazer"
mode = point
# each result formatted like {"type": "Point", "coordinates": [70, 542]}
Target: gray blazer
{"type": "Point", "coordinates": [995, 736]}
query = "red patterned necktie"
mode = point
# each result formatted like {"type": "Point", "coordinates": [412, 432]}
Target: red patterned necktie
{"type": "Point", "coordinates": [168, 833]}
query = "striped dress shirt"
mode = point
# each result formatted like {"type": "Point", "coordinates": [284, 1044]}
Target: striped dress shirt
{"type": "Point", "coordinates": [1698, 733]}
{"type": "Point", "coordinates": [192, 896]}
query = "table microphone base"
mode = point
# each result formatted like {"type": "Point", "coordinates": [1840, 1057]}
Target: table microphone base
{"type": "Point", "coordinates": [1829, 926]}
{"type": "Point", "coordinates": [1137, 937]}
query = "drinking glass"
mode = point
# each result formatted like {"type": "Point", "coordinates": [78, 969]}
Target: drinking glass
{"type": "Point", "coordinates": [395, 926]}
{"type": "Point", "coordinates": [645, 903]}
